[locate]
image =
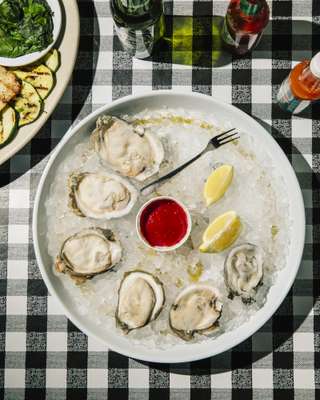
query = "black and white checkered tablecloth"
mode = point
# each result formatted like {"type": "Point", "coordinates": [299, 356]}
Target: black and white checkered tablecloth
{"type": "Point", "coordinates": [42, 354]}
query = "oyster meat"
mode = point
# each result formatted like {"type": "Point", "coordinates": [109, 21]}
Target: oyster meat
{"type": "Point", "coordinates": [196, 309]}
{"type": "Point", "coordinates": [88, 253]}
{"type": "Point", "coordinates": [141, 299]}
{"type": "Point", "coordinates": [100, 195]}
{"type": "Point", "coordinates": [243, 270]}
{"type": "Point", "coordinates": [130, 151]}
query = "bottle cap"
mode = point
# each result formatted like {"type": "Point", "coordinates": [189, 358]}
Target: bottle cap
{"type": "Point", "coordinates": [250, 7]}
{"type": "Point", "coordinates": [315, 65]}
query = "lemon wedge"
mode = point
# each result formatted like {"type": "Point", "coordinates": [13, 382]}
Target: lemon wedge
{"type": "Point", "coordinates": [217, 183]}
{"type": "Point", "coordinates": [221, 233]}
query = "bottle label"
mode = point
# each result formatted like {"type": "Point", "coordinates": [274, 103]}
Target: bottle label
{"type": "Point", "coordinates": [288, 101]}
{"type": "Point", "coordinates": [250, 8]}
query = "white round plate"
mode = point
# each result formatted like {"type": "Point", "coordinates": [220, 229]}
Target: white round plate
{"type": "Point", "coordinates": [68, 47]}
{"type": "Point", "coordinates": [32, 57]}
{"type": "Point", "coordinates": [222, 112]}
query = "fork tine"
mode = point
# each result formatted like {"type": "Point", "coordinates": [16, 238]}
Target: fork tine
{"type": "Point", "coordinates": [228, 137]}
{"type": "Point", "coordinates": [223, 133]}
{"type": "Point", "coordinates": [228, 141]}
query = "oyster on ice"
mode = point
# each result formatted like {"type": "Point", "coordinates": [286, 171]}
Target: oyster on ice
{"type": "Point", "coordinates": [141, 299]}
{"type": "Point", "coordinates": [88, 253]}
{"type": "Point", "coordinates": [100, 195]}
{"type": "Point", "coordinates": [132, 152]}
{"type": "Point", "coordinates": [243, 270]}
{"type": "Point", "coordinates": [196, 309]}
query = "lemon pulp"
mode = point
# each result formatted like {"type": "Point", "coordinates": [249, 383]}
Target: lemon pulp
{"type": "Point", "coordinates": [217, 183]}
{"type": "Point", "coordinates": [221, 233]}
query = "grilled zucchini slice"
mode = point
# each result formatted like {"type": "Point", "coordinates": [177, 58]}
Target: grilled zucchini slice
{"type": "Point", "coordinates": [28, 104]}
{"type": "Point", "coordinates": [40, 77]}
{"type": "Point", "coordinates": [8, 125]}
{"type": "Point", "coordinates": [52, 60]}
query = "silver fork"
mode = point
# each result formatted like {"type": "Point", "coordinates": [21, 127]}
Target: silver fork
{"type": "Point", "coordinates": [213, 144]}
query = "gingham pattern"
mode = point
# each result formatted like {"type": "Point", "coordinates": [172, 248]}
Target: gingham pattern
{"type": "Point", "coordinates": [42, 354]}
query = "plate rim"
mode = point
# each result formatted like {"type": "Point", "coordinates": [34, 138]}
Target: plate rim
{"type": "Point", "coordinates": [163, 356]}
{"type": "Point", "coordinates": [12, 148]}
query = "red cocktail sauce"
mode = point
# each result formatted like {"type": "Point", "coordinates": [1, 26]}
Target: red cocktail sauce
{"type": "Point", "coordinates": [163, 223]}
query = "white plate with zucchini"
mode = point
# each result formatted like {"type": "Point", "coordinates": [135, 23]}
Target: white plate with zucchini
{"type": "Point", "coordinates": [29, 94]}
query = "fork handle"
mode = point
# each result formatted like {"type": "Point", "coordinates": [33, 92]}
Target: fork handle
{"type": "Point", "coordinates": [175, 171]}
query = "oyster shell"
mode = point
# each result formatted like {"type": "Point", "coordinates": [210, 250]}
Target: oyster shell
{"type": "Point", "coordinates": [88, 253]}
{"type": "Point", "coordinates": [100, 195]}
{"type": "Point", "coordinates": [132, 152]}
{"type": "Point", "coordinates": [141, 299]}
{"type": "Point", "coordinates": [196, 309]}
{"type": "Point", "coordinates": [243, 270]}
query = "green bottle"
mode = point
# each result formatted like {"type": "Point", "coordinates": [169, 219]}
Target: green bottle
{"type": "Point", "coordinates": [139, 25]}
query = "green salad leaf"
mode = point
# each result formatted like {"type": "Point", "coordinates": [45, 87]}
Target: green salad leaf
{"type": "Point", "coordinates": [26, 26]}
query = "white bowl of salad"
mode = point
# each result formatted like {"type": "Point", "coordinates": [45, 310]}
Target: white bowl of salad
{"type": "Point", "coordinates": [28, 30]}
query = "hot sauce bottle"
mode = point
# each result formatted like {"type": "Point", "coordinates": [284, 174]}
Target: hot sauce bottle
{"type": "Point", "coordinates": [301, 87]}
{"type": "Point", "coordinates": [243, 25]}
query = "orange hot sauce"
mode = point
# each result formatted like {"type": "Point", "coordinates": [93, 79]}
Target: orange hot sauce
{"type": "Point", "coordinates": [301, 87]}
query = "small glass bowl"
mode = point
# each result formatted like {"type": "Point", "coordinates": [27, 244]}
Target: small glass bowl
{"type": "Point", "coordinates": [163, 248]}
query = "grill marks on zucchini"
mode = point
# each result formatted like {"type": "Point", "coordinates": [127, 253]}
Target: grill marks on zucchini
{"type": "Point", "coordinates": [40, 77]}
{"type": "Point", "coordinates": [28, 104]}
{"type": "Point", "coordinates": [37, 81]}
{"type": "Point", "coordinates": [8, 125]}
